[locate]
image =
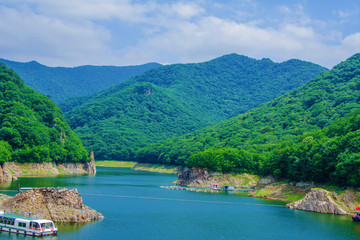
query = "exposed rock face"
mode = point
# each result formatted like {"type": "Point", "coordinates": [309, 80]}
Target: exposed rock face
{"type": "Point", "coordinates": [266, 180]}
{"type": "Point", "coordinates": [193, 176]}
{"type": "Point", "coordinates": [90, 167]}
{"type": "Point", "coordinates": [10, 170]}
{"type": "Point", "coordinates": [348, 198]}
{"type": "Point", "coordinates": [318, 200]}
{"type": "Point", "coordinates": [61, 205]}
{"type": "Point", "coordinates": [199, 177]}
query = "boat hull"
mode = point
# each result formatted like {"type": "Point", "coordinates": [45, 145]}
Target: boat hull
{"type": "Point", "coordinates": [27, 231]}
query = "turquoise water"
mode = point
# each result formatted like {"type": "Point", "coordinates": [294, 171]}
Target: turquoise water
{"type": "Point", "coordinates": [135, 207]}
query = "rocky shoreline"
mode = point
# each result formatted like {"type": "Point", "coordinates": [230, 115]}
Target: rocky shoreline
{"type": "Point", "coordinates": [302, 196]}
{"type": "Point", "coordinates": [11, 171]}
{"type": "Point", "coordinates": [60, 205]}
{"type": "Point", "coordinates": [198, 177]}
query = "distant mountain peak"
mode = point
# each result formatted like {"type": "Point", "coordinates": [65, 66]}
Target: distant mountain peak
{"type": "Point", "coordinates": [177, 99]}
{"type": "Point", "coordinates": [62, 83]}
{"type": "Point", "coordinates": [34, 62]}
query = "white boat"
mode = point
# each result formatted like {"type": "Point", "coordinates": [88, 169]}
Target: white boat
{"type": "Point", "coordinates": [26, 226]}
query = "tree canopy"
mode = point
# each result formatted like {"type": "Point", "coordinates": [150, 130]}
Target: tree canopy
{"type": "Point", "coordinates": [32, 127]}
{"type": "Point", "coordinates": [310, 133]}
{"type": "Point", "coordinates": [177, 99]}
{"type": "Point", "coordinates": [62, 83]}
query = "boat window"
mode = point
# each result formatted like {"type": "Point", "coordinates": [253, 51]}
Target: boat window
{"type": "Point", "coordinates": [49, 225]}
{"type": "Point", "coordinates": [35, 225]}
{"type": "Point", "coordinates": [22, 224]}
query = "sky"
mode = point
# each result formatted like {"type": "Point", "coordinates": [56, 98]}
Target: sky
{"type": "Point", "coordinates": [125, 32]}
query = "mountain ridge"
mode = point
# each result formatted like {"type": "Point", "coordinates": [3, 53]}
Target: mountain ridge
{"type": "Point", "coordinates": [309, 134]}
{"type": "Point", "coordinates": [65, 82]}
{"type": "Point", "coordinates": [209, 92]}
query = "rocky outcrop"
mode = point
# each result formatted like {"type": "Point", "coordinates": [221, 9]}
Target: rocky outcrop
{"type": "Point", "coordinates": [265, 181]}
{"type": "Point", "coordinates": [193, 176]}
{"type": "Point", "coordinates": [10, 170]}
{"type": "Point", "coordinates": [90, 167]}
{"type": "Point", "coordinates": [59, 205]}
{"type": "Point", "coordinates": [348, 198]}
{"type": "Point", "coordinates": [199, 177]}
{"type": "Point", "coordinates": [318, 200]}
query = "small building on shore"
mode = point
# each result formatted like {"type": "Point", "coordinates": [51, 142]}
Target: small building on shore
{"type": "Point", "coordinates": [229, 188]}
{"type": "Point", "coordinates": [214, 186]}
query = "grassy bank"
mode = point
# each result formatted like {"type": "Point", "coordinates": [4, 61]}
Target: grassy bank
{"type": "Point", "coordinates": [157, 168]}
{"type": "Point", "coordinates": [281, 192]}
{"type": "Point", "coordinates": [123, 164]}
{"type": "Point", "coordinates": [161, 168]}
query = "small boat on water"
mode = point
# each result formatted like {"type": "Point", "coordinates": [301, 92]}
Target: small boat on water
{"type": "Point", "coordinates": [356, 218]}
{"type": "Point", "coordinates": [26, 226]}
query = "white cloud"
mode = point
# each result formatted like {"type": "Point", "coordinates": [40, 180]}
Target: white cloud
{"type": "Point", "coordinates": [285, 9]}
{"type": "Point", "coordinates": [29, 36]}
{"type": "Point", "coordinates": [186, 11]}
{"type": "Point", "coordinates": [78, 32]}
{"type": "Point", "coordinates": [93, 9]}
{"type": "Point", "coordinates": [211, 37]}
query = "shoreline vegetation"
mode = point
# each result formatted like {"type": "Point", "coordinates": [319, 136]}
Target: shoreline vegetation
{"type": "Point", "coordinates": [306, 196]}
{"type": "Point", "coordinates": [160, 168]}
{"type": "Point", "coordinates": [10, 171]}
{"type": "Point", "coordinates": [199, 180]}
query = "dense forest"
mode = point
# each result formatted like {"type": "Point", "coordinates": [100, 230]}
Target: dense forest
{"type": "Point", "coordinates": [311, 133]}
{"type": "Point", "coordinates": [32, 127]}
{"type": "Point", "coordinates": [61, 83]}
{"type": "Point", "coordinates": [177, 99]}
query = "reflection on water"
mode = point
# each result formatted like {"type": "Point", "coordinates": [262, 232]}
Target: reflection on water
{"type": "Point", "coordinates": [357, 228]}
{"type": "Point", "coordinates": [70, 227]}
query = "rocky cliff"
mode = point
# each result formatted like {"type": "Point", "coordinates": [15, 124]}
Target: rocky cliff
{"type": "Point", "coordinates": [193, 176]}
{"type": "Point", "coordinates": [11, 170]}
{"type": "Point", "coordinates": [318, 200]}
{"type": "Point", "coordinates": [59, 205]}
{"type": "Point", "coordinates": [343, 201]}
{"type": "Point", "coordinates": [199, 177]}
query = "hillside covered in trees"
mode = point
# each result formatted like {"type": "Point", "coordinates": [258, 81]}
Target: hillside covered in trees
{"type": "Point", "coordinates": [177, 99]}
{"type": "Point", "coordinates": [311, 133]}
{"type": "Point", "coordinates": [32, 127]}
{"type": "Point", "coordinates": [62, 83]}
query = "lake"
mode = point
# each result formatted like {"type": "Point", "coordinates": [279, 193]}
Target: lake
{"type": "Point", "coordinates": [135, 207]}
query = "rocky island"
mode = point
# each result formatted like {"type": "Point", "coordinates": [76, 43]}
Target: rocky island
{"type": "Point", "coordinates": [59, 205]}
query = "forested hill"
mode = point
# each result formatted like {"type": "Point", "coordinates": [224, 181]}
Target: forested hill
{"type": "Point", "coordinates": [176, 99]}
{"type": "Point", "coordinates": [311, 133]}
{"type": "Point", "coordinates": [32, 128]}
{"type": "Point", "coordinates": [62, 83]}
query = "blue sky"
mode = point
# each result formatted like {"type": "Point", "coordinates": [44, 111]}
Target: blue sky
{"type": "Point", "coordinates": [125, 32]}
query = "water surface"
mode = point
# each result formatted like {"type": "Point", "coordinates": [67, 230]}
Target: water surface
{"type": "Point", "coordinates": [135, 207]}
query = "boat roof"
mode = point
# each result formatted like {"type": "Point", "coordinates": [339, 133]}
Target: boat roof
{"type": "Point", "coordinates": [19, 217]}
{"type": "Point", "coordinates": [42, 221]}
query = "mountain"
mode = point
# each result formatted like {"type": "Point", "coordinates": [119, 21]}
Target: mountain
{"type": "Point", "coordinates": [311, 133]}
{"type": "Point", "coordinates": [62, 83]}
{"type": "Point", "coordinates": [32, 127]}
{"type": "Point", "coordinates": [176, 99]}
